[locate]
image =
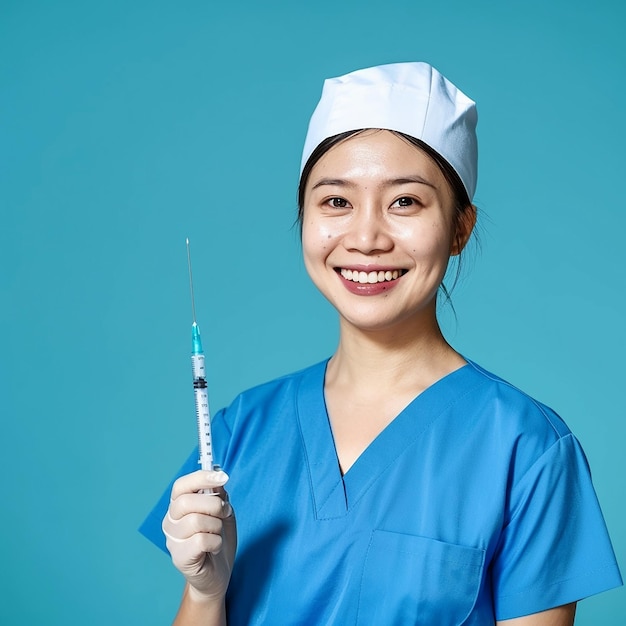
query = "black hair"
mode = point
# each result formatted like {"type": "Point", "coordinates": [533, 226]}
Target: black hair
{"type": "Point", "coordinates": [462, 202]}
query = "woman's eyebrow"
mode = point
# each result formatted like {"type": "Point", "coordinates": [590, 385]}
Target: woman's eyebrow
{"type": "Point", "coordinates": [335, 182]}
{"type": "Point", "coordinates": [404, 180]}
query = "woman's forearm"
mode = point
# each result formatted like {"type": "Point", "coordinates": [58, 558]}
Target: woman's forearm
{"type": "Point", "coordinates": [194, 610]}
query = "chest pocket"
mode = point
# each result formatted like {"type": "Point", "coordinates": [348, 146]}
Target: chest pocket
{"type": "Point", "coordinates": [409, 580]}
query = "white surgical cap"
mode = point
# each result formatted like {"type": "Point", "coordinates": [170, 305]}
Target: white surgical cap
{"type": "Point", "coordinates": [411, 98]}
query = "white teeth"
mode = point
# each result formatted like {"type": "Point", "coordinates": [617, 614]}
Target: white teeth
{"type": "Point", "coordinates": [370, 277]}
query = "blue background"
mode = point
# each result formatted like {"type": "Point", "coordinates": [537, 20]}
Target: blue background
{"type": "Point", "coordinates": [127, 126]}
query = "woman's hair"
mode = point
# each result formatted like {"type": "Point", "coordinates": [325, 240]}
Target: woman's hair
{"type": "Point", "coordinates": [462, 203]}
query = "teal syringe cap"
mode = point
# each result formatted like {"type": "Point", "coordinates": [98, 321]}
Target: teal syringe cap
{"type": "Point", "coordinates": [196, 342]}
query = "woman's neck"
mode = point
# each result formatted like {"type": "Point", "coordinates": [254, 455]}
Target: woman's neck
{"type": "Point", "coordinates": [397, 358]}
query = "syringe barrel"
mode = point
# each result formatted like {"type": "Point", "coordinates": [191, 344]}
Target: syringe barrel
{"type": "Point", "coordinates": [203, 413]}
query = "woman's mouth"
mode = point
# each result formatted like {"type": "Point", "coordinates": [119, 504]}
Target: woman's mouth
{"type": "Point", "coordinates": [371, 278]}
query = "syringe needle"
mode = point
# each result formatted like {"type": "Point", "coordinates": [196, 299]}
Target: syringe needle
{"type": "Point", "coordinates": [193, 302]}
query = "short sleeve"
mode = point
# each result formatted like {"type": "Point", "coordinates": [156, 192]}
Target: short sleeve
{"type": "Point", "coordinates": [554, 548]}
{"type": "Point", "coordinates": [151, 526]}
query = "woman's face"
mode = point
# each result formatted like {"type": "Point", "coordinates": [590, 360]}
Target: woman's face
{"type": "Point", "coordinates": [378, 230]}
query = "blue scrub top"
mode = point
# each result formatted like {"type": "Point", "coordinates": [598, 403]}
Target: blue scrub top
{"type": "Point", "coordinates": [474, 504]}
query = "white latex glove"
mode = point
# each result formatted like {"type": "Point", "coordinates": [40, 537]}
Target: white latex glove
{"type": "Point", "coordinates": [201, 533]}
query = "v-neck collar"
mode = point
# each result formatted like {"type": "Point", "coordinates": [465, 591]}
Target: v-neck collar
{"type": "Point", "coordinates": [333, 493]}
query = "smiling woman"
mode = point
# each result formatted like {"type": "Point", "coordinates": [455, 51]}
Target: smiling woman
{"type": "Point", "coordinates": [464, 210]}
{"type": "Point", "coordinates": [376, 205]}
{"type": "Point", "coordinates": [414, 487]}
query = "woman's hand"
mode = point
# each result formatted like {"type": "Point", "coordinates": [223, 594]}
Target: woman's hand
{"type": "Point", "coordinates": [201, 534]}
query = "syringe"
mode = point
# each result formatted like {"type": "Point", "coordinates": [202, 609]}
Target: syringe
{"type": "Point", "coordinates": [200, 391]}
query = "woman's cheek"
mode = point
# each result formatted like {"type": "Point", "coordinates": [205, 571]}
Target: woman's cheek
{"type": "Point", "coordinates": [317, 239]}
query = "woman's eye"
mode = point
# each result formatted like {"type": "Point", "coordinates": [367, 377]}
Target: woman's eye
{"type": "Point", "coordinates": [405, 201]}
{"type": "Point", "coordinates": [338, 203]}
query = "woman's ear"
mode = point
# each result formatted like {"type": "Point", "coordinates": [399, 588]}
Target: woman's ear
{"type": "Point", "coordinates": [464, 226]}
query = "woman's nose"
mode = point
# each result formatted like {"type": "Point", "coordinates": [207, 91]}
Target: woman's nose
{"type": "Point", "coordinates": [368, 233]}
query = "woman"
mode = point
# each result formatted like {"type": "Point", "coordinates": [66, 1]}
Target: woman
{"type": "Point", "coordinates": [412, 486]}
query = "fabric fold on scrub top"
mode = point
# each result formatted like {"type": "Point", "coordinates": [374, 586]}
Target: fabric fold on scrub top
{"type": "Point", "coordinates": [474, 504]}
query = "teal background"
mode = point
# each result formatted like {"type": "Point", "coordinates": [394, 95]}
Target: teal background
{"type": "Point", "coordinates": [127, 126]}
